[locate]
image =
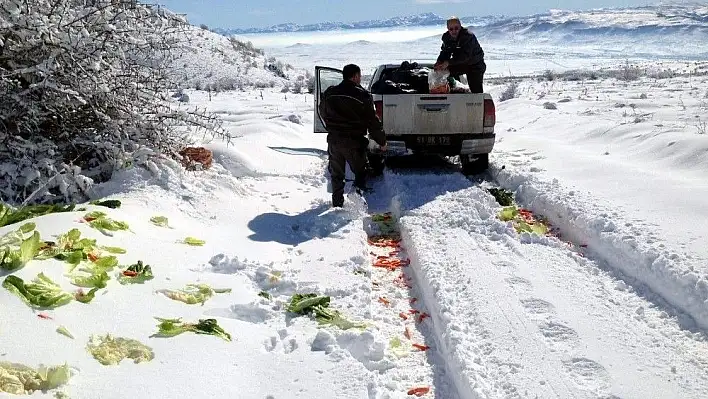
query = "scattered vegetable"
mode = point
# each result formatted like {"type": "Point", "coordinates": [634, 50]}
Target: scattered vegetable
{"type": "Point", "coordinates": [73, 249]}
{"type": "Point", "coordinates": [63, 331]}
{"type": "Point", "coordinates": [194, 293]}
{"type": "Point", "coordinates": [504, 197]}
{"type": "Point", "coordinates": [16, 249]}
{"type": "Point", "coordinates": [101, 222]}
{"type": "Point", "coordinates": [396, 347]}
{"type": "Point", "coordinates": [111, 351]}
{"type": "Point", "coordinates": [42, 293]}
{"type": "Point", "coordinates": [522, 220]}
{"type": "Point", "coordinates": [10, 215]}
{"type": "Point", "coordinates": [305, 304]}
{"type": "Point", "coordinates": [18, 379]}
{"type": "Point", "coordinates": [419, 391]}
{"type": "Point", "coordinates": [83, 297]}
{"type": "Point", "coordinates": [97, 280]}
{"type": "Point", "coordinates": [193, 241]}
{"type": "Point", "coordinates": [161, 221]}
{"type": "Point", "coordinates": [113, 204]}
{"type": "Point", "coordinates": [136, 274]}
{"type": "Point", "coordinates": [173, 327]}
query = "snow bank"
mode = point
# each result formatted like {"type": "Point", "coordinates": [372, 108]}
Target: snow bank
{"type": "Point", "coordinates": [678, 278]}
{"type": "Point", "coordinates": [619, 166]}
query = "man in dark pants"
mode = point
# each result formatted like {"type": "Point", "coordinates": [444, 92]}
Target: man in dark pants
{"type": "Point", "coordinates": [461, 54]}
{"type": "Point", "coordinates": [347, 110]}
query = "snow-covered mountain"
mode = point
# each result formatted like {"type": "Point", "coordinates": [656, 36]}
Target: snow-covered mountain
{"type": "Point", "coordinates": [426, 19]}
{"type": "Point", "coordinates": [658, 19]}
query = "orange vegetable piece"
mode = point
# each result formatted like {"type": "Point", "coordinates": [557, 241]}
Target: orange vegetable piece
{"type": "Point", "coordinates": [421, 347]}
{"type": "Point", "coordinates": [419, 391]}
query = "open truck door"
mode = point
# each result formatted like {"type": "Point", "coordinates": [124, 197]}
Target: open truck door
{"type": "Point", "coordinates": [324, 78]}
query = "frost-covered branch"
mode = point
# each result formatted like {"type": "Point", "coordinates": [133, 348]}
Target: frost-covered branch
{"type": "Point", "coordinates": [82, 86]}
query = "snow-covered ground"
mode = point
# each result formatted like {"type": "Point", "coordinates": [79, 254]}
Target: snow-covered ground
{"type": "Point", "coordinates": [613, 305]}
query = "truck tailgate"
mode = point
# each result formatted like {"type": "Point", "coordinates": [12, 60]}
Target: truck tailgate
{"type": "Point", "coordinates": [456, 113]}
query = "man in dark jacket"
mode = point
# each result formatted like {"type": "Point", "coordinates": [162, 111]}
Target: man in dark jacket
{"type": "Point", "coordinates": [462, 54]}
{"type": "Point", "coordinates": [347, 110]}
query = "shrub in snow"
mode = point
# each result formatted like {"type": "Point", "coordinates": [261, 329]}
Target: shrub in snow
{"type": "Point", "coordinates": [549, 105]}
{"type": "Point", "coordinates": [509, 92]}
{"type": "Point", "coordinates": [83, 88]}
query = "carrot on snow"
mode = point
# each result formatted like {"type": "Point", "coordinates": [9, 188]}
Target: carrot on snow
{"type": "Point", "coordinates": [418, 391]}
{"type": "Point", "coordinates": [44, 316]}
{"type": "Point", "coordinates": [403, 316]}
{"type": "Point", "coordinates": [421, 347]}
{"type": "Point", "coordinates": [384, 301]}
{"type": "Point", "coordinates": [407, 333]}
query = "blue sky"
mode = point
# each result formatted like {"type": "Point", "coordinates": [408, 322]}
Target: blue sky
{"type": "Point", "coordinates": [262, 13]}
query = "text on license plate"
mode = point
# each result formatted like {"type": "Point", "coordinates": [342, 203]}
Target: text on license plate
{"type": "Point", "coordinates": [434, 140]}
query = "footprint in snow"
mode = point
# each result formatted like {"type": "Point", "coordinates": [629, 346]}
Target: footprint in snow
{"type": "Point", "coordinates": [588, 374]}
{"type": "Point", "coordinates": [537, 306]}
{"type": "Point", "coordinates": [519, 283]}
{"type": "Point", "coordinates": [557, 332]}
{"type": "Point", "coordinates": [281, 341]}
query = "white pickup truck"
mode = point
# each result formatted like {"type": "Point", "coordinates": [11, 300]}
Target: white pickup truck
{"type": "Point", "coordinates": [415, 121]}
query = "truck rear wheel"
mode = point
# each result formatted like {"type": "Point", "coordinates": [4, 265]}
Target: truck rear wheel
{"type": "Point", "coordinates": [474, 164]}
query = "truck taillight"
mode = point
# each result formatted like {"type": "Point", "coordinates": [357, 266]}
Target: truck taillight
{"type": "Point", "coordinates": [379, 109]}
{"type": "Point", "coordinates": [490, 113]}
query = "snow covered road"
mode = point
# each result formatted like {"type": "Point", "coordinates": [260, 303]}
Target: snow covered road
{"type": "Point", "coordinates": [526, 316]}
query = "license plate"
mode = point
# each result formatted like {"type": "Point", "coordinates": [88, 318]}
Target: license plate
{"type": "Point", "coordinates": [434, 140]}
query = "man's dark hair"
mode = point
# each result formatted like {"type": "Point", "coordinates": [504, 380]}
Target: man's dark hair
{"type": "Point", "coordinates": [350, 70]}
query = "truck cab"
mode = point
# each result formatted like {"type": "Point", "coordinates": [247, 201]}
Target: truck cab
{"type": "Point", "coordinates": [457, 123]}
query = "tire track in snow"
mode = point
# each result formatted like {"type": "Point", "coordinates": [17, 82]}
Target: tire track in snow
{"type": "Point", "coordinates": [402, 313]}
{"type": "Point", "coordinates": [574, 357]}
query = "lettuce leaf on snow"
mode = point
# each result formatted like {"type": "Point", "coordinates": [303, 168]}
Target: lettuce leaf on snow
{"type": "Point", "coordinates": [111, 351]}
{"type": "Point", "coordinates": [305, 304]}
{"type": "Point", "coordinates": [136, 273]}
{"type": "Point", "coordinates": [160, 221]}
{"type": "Point", "coordinates": [101, 222]}
{"type": "Point", "coordinates": [194, 293]}
{"type": "Point", "coordinates": [41, 293]}
{"type": "Point", "coordinates": [18, 379]}
{"type": "Point", "coordinates": [97, 280]}
{"type": "Point", "coordinates": [113, 204]}
{"type": "Point", "coordinates": [9, 215]}
{"type": "Point", "coordinates": [16, 249]}
{"type": "Point", "coordinates": [174, 327]}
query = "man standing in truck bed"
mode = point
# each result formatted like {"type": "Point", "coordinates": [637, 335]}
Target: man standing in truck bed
{"type": "Point", "coordinates": [462, 54]}
{"type": "Point", "coordinates": [347, 110]}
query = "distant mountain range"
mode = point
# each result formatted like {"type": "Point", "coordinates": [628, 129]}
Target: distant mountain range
{"type": "Point", "coordinates": [683, 18]}
{"type": "Point", "coordinates": [427, 19]}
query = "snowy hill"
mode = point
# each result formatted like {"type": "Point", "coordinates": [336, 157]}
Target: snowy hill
{"type": "Point", "coordinates": [211, 60]}
{"type": "Point", "coordinates": [572, 25]}
{"type": "Point", "coordinates": [686, 18]}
